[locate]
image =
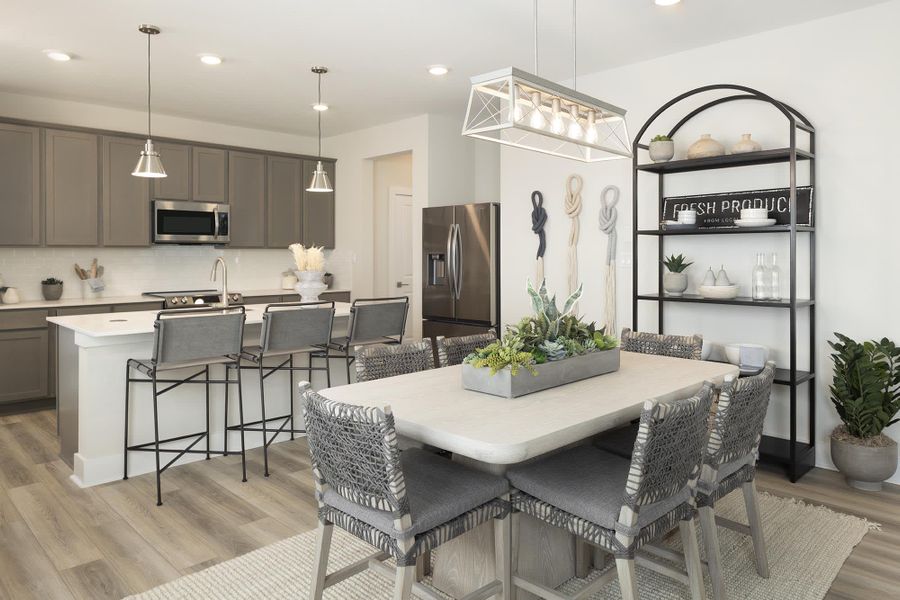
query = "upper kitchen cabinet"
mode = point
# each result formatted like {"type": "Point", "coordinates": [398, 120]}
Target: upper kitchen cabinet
{"type": "Point", "coordinates": [126, 198]}
{"type": "Point", "coordinates": [209, 174]}
{"type": "Point", "coordinates": [176, 185]}
{"type": "Point", "coordinates": [247, 199]}
{"type": "Point", "coordinates": [318, 209]}
{"type": "Point", "coordinates": [20, 193]}
{"type": "Point", "coordinates": [70, 180]}
{"type": "Point", "coordinates": [283, 199]}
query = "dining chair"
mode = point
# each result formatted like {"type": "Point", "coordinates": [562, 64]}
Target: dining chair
{"type": "Point", "coordinates": [620, 505]}
{"type": "Point", "coordinates": [372, 321]}
{"type": "Point", "coordinates": [379, 360]}
{"type": "Point", "coordinates": [287, 329]}
{"type": "Point", "coordinates": [187, 338]}
{"type": "Point", "coordinates": [453, 350]}
{"type": "Point", "coordinates": [729, 463]}
{"type": "Point", "coordinates": [402, 504]}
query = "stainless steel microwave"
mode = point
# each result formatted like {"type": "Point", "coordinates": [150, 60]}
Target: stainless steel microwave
{"type": "Point", "coordinates": [176, 222]}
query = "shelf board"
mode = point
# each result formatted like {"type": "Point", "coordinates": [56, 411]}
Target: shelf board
{"type": "Point", "coordinates": [726, 230]}
{"type": "Point", "coordinates": [783, 377]}
{"type": "Point", "coordinates": [773, 450]}
{"type": "Point", "coordinates": [763, 157]}
{"type": "Point", "coordinates": [739, 301]}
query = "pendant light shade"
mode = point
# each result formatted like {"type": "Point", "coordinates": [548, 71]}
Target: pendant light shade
{"type": "Point", "coordinates": [320, 182]}
{"type": "Point", "coordinates": [149, 163]}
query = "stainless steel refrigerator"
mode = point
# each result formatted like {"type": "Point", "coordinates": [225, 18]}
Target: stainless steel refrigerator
{"type": "Point", "coordinates": [461, 263]}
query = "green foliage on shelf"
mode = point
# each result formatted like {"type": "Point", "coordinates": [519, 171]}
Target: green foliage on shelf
{"type": "Point", "coordinates": [661, 138]}
{"type": "Point", "coordinates": [866, 386]}
{"type": "Point", "coordinates": [676, 264]}
{"type": "Point", "coordinates": [51, 281]}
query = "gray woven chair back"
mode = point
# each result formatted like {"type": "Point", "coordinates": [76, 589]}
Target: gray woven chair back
{"type": "Point", "coordinates": [197, 335]}
{"type": "Point", "coordinates": [452, 351]}
{"type": "Point", "coordinates": [738, 423]}
{"type": "Point", "coordinates": [295, 327]}
{"type": "Point", "coordinates": [378, 319]}
{"type": "Point", "coordinates": [677, 346]}
{"type": "Point", "coordinates": [354, 451]}
{"type": "Point", "coordinates": [381, 360]}
{"type": "Point", "coordinates": [668, 448]}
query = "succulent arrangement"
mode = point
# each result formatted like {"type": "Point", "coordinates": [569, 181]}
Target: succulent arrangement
{"type": "Point", "coordinates": [550, 334]}
{"type": "Point", "coordinates": [676, 264]}
{"type": "Point", "coordinates": [661, 138]}
{"type": "Point", "coordinates": [51, 281]}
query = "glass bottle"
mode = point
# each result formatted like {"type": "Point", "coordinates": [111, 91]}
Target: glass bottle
{"type": "Point", "coordinates": [774, 279]}
{"type": "Point", "coordinates": [760, 287]}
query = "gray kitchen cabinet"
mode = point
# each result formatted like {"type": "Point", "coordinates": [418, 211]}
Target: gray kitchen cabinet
{"type": "Point", "coordinates": [23, 355]}
{"type": "Point", "coordinates": [70, 181]}
{"type": "Point", "coordinates": [264, 299]}
{"type": "Point", "coordinates": [335, 296]}
{"type": "Point", "coordinates": [20, 194]}
{"type": "Point", "coordinates": [176, 160]}
{"type": "Point", "coordinates": [209, 174]}
{"type": "Point", "coordinates": [283, 201]}
{"type": "Point", "coordinates": [247, 199]}
{"type": "Point", "coordinates": [138, 306]}
{"type": "Point", "coordinates": [318, 209]}
{"type": "Point", "coordinates": [126, 198]}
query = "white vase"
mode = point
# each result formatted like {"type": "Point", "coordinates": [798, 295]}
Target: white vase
{"type": "Point", "coordinates": [310, 285]}
{"type": "Point", "coordinates": [662, 151]}
{"type": "Point", "coordinates": [746, 144]}
{"type": "Point", "coordinates": [11, 296]}
{"type": "Point", "coordinates": [675, 284]}
{"type": "Point", "coordinates": [705, 147]}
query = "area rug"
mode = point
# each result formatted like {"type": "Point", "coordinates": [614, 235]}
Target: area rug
{"type": "Point", "coordinates": [806, 546]}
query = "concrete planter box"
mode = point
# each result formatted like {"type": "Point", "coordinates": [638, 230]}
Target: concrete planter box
{"type": "Point", "coordinates": [550, 374]}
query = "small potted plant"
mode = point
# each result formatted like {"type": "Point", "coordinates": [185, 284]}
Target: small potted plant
{"type": "Point", "coordinates": [52, 288]}
{"type": "Point", "coordinates": [675, 282]}
{"type": "Point", "coordinates": [866, 393]}
{"type": "Point", "coordinates": [662, 148]}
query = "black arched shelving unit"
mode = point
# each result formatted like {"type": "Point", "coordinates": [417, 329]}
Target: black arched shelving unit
{"type": "Point", "coordinates": [796, 456]}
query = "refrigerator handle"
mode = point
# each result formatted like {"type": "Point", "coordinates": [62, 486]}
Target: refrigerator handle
{"type": "Point", "coordinates": [451, 269]}
{"type": "Point", "coordinates": [459, 262]}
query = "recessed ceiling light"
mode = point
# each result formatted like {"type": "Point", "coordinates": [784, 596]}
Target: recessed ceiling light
{"type": "Point", "coordinates": [58, 56]}
{"type": "Point", "coordinates": [666, 2]}
{"type": "Point", "coordinates": [438, 70]}
{"type": "Point", "coordinates": [210, 59]}
{"type": "Point", "coordinates": [320, 106]}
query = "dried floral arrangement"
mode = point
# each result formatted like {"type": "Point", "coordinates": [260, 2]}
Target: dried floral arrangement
{"type": "Point", "coordinates": [308, 259]}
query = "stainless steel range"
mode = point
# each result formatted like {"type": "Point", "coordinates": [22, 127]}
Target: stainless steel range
{"type": "Point", "coordinates": [184, 298]}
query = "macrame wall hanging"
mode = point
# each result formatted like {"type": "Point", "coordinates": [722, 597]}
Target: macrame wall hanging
{"type": "Point", "coordinates": [538, 220]}
{"type": "Point", "coordinates": [574, 184]}
{"type": "Point", "coordinates": [609, 197]}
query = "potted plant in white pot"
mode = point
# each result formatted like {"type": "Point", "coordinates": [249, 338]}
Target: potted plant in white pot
{"type": "Point", "coordinates": [662, 148]}
{"type": "Point", "coordinates": [675, 281]}
{"type": "Point", "coordinates": [866, 393]}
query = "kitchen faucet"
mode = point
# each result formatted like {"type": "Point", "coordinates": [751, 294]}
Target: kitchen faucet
{"type": "Point", "coordinates": [212, 277]}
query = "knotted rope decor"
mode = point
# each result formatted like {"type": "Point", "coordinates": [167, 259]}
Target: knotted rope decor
{"type": "Point", "coordinates": [608, 217]}
{"type": "Point", "coordinates": [574, 184]}
{"type": "Point", "coordinates": [538, 220]}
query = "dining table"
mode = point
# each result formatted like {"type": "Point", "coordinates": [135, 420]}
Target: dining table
{"type": "Point", "coordinates": [492, 433]}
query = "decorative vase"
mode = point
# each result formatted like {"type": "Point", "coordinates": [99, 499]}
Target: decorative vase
{"type": "Point", "coordinates": [746, 145]}
{"type": "Point", "coordinates": [865, 467]}
{"type": "Point", "coordinates": [705, 147]}
{"type": "Point", "coordinates": [52, 291]}
{"type": "Point", "coordinates": [310, 285]}
{"type": "Point", "coordinates": [662, 151]}
{"type": "Point", "coordinates": [328, 279]}
{"type": "Point", "coordinates": [675, 284]}
{"type": "Point", "coordinates": [11, 296]}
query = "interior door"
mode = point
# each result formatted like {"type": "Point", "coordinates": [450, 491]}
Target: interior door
{"type": "Point", "coordinates": [475, 289]}
{"type": "Point", "coordinates": [437, 223]}
{"type": "Point", "coordinates": [400, 211]}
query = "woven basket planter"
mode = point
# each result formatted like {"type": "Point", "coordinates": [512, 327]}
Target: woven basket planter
{"type": "Point", "coordinates": [549, 375]}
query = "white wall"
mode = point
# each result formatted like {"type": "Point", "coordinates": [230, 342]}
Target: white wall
{"type": "Point", "coordinates": [841, 73]}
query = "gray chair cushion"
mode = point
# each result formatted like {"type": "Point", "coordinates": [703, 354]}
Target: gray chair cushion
{"type": "Point", "coordinates": [618, 441]}
{"type": "Point", "coordinates": [438, 490]}
{"type": "Point", "coordinates": [588, 483]}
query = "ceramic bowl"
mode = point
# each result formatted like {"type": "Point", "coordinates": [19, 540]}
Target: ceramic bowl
{"type": "Point", "coordinates": [754, 213]}
{"type": "Point", "coordinates": [718, 292]}
{"type": "Point", "coordinates": [733, 352]}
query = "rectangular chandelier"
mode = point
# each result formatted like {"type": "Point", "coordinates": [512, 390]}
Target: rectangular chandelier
{"type": "Point", "coordinates": [519, 109]}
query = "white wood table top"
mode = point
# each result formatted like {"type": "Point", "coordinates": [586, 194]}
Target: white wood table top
{"type": "Point", "coordinates": [104, 325]}
{"type": "Point", "coordinates": [432, 406]}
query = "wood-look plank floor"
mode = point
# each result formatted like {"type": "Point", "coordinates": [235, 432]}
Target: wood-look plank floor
{"type": "Point", "coordinates": [58, 541]}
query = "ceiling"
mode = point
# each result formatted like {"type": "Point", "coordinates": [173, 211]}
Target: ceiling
{"type": "Point", "coordinates": [377, 51]}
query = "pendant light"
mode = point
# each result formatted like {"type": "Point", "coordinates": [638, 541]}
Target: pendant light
{"type": "Point", "coordinates": [320, 181]}
{"type": "Point", "coordinates": [521, 109]}
{"type": "Point", "coordinates": [149, 164]}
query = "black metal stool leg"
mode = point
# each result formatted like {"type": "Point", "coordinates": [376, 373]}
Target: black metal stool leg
{"type": "Point", "coordinates": [347, 358]}
{"type": "Point", "coordinates": [291, 389]}
{"type": "Point", "coordinates": [125, 445]}
{"type": "Point", "coordinates": [206, 375]}
{"type": "Point", "coordinates": [156, 440]}
{"type": "Point", "coordinates": [262, 404]}
{"type": "Point", "coordinates": [327, 370]}
{"type": "Point", "coordinates": [227, 385]}
{"type": "Point", "coordinates": [241, 412]}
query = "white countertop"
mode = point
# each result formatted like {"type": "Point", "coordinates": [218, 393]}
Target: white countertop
{"type": "Point", "coordinates": [107, 300]}
{"type": "Point", "coordinates": [106, 325]}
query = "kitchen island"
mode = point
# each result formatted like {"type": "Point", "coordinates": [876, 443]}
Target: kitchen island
{"type": "Point", "coordinates": [93, 351]}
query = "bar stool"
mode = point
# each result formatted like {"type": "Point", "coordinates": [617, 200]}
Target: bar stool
{"type": "Point", "coordinates": [372, 321]}
{"type": "Point", "coordinates": [288, 328]}
{"type": "Point", "coordinates": [184, 338]}
{"type": "Point", "coordinates": [453, 350]}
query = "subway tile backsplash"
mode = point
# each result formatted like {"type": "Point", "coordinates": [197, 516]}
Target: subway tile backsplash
{"type": "Point", "coordinates": [131, 271]}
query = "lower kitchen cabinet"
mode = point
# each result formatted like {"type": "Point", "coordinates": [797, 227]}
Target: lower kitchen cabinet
{"type": "Point", "coordinates": [24, 355]}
